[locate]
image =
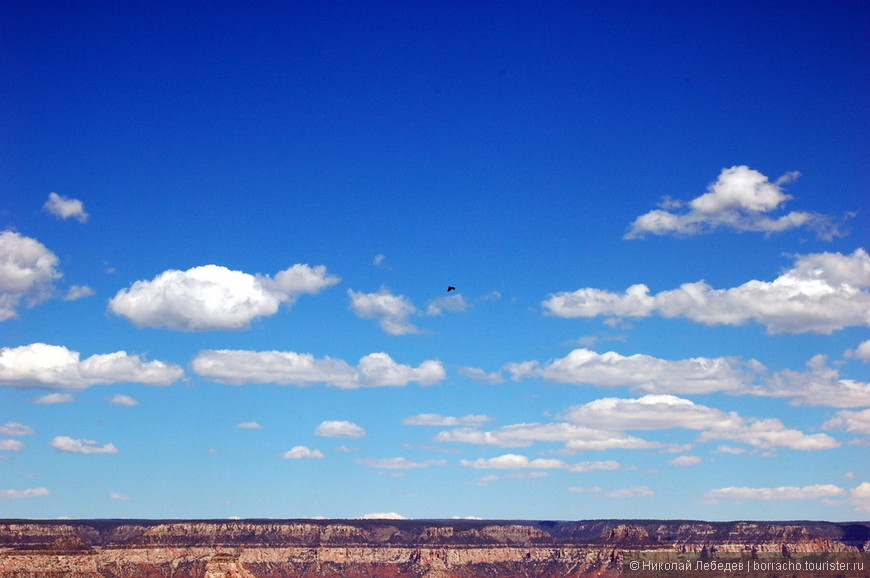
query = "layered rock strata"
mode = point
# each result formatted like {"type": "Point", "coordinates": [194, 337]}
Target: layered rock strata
{"type": "Point", "coordinates": [406, 548]}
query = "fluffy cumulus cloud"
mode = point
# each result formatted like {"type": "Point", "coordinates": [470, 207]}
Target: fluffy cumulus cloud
{"type": "Point", "coordinates": [213, 297]}
{"type": "Point", "coordinates": [11, 445]}
{"type": "Point", "coordinates": [339, 429]}
{"type": "Point", "coordinates": [79, 446]}
{"type": "Point", "coordinates": [862, 352]}
{"type": "Point", "coordinates": [28, 493]}
{"type": "Point", "coordinates": [437, 419]}
{"type": "Point", "coordinates": [741, 199]}
{"type": "Point", "coordinates": [850, 421]}
{"type": "Point", "coordinates": [302, 453]}
{"type": "Point", "coordinates": [520, 462]}
{"type": "Point", "coordinates": [28, 270]}
{"type": "Point", "coordinates": [391, 311]}
{"type": "Point", "coordinates": [821, 293]}
{"type": "Point", "coordinates": [650, 412]}
{"type": "Point", "coordinates": [238, 367]}
{"type": "Point", "coordinates": [576, 438]}
{"type": "Point", "coordinates": [640, 372]}
{"type": "Point", "coordinates": [819, 385]}
{"type": "Point", "coordinates": [65, 208]}
{"type": "Point", "coordinates": [43, 366]}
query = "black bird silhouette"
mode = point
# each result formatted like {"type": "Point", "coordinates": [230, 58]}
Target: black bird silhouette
{"type": "Point", "coordinates": [450, 288]}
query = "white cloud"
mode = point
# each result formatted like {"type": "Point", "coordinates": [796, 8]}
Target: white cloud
{"type": "Point", "coordinates": [479, 374]}
{"type": "Point", "coordinates": [633, 492]}
{"type": "Point", "coordinates": [519, 462]}
{"type": "Point", "coordinates": [119, 497]}
{"type": "Point", "coordinates": [650, 412]}
{"type": "Point", "coordinates": [249, 425]}
{"type": "Point", "coordinates": [391, 311]}
{"type": "Point", "coordinates": [741, 200]}
{"type": "Point", "coordinates": [124, 400]}
{"type": "Point", "coordinates": [686, 461]}
{"type": "Point", "coordinates": [29, 493]}
{"type": "Point", "coordinates": [238, 367]}
{"type": "Point", "coordinates": [444, 420]}
{"type": "Point", "coordinates": [598, 425]}
{"type": "Point", "coordinates": [44, 366]}
{"type": "Point", "coordinates": [65, 208]}
{"type": "Point", "coordinates": [851, 421]}
{"type": "Point", "coordinates": [27, 272]}
{"type": "Point", "coordinates": [398, 463]}
{"type": "Point", "coordinates": [576, 438]}
{"type": "Point", "coordinates": [861, 352]}
{"type": "Point", "coordinates": [740, 494]}
{"type": "Point", "coordinates": [770, 433]}
{"type": "Point", "coordinates": [339, 429]}
{"type": "Point", "coordinates": [214, 297]}
{"type": "Point", "coordinates": [68, 444]}
{"type": "Point", "coordinates": [78, 292]}
{"type": "Point", "coordinates": [822, 293]}
{"type": "Point", "coordinates": [585, 489]}
{"type": "Point", "coordinates": [11, 445]}
{"type": "Point", "coordinates": [454, 303]}
{"type": "Point", "coordinates": [384, 516]}
{"type": "Point", "coordinates": [640, 372]}
{"type": "Point", "coordinates": [12, 428]}
{"type": "Point", "coordinates": [860, 497]}
{"type": "Point", "coordinates": [820, 385]}
{"type": "Point", "coordinates": [53, 398]}
{"type": "Point", "coordinates": [302, 453]}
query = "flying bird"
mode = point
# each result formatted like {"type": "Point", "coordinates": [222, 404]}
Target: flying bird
{"type": "Point", "coordinates": [450, 288]}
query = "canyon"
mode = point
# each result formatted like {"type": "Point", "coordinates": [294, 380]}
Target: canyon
{"type": "Point", "coordinates": [425, 548]}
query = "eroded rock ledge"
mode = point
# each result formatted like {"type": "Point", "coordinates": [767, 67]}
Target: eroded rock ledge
{"type": "Point", "coordinates": [412, 548]}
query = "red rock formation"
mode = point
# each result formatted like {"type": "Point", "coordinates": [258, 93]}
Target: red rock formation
{"type": "Point", "coordinates": [407, 548]}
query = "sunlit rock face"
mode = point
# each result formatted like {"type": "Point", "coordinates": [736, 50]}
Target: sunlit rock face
{"type": "Point", "coordinates": [395, 548]}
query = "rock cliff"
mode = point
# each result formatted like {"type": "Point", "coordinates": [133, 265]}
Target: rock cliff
{"type": "Point", "coordinates": [410, 548]}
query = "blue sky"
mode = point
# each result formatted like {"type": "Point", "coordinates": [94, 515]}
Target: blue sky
{"type": "Point", "coordinates": [227, 237]}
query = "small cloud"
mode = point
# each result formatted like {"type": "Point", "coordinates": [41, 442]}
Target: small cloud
{"type": "Point", "coordinates": [454, 303]}
{"type": "Point", "coordinates": [11, 446]}
{"type": "Point", "coordinates": [435, 419]}
{"type": "Point", "coordinates": [740, 494]}
{"type": "Point", "coordinates": [302, 453]}
{"type": "Point", "coordinates": [686, 461]}
{"type": "Point", "coordinates": [78, 292]}
{"type": "Point", "coordinates": [391, 311]}
{"type": "Point", "coordinates": [729, 450]}
{"type": "Point", "coordinates": [861, 352]}
{"type": "Point", "coordinates": [53, 398]}
{"type": "Point", "coordinates": [383, 516]}
{"type": "Point", "coordinates": [68, 444]}
{"type": "Point", "coordinates": [16, 429]}
{"type": "Point", "coordinates": [119, 497]}
{"type": "Point", "coordinates": [249, 425]}
{"type": "Point", "coordinates": [740, 200]}
{"type": "Point", "coordinates": [584, 490]}
{"type": "Point", "coordinates": [29, 493]}
{"type": "Point", "coordinates": [636, 491]}
{"type": "Point", "coordinates": [124, 400]}
{"type": "Point", "coordinates": [379, 260]}
{"type": "Point", "coordinates": [398, 463]}
{"type": "Point", "coordinates": [65, 208]}
{"type": "Point", "coordinates": [339, 429]}
{"type": "Point", "coordinates": [479, 374]}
